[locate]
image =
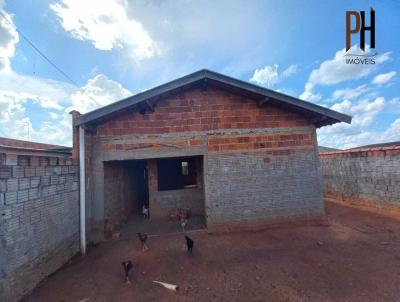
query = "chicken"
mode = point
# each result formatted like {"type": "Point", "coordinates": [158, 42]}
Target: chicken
{"type": "Point", "coordinates": [189, 244]}
{"type": "Point", "coordinates": [128, 265]}
{"type": "Point", "coordinates": [143, 239]}
{"type": "Point", "coordinates": [183, 223]}
{"type": "Point", "coordinates": [145, 212]}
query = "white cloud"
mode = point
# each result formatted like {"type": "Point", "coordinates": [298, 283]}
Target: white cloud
{"type": "Point", "coordinates": [98, 92]}
{"type": "Point", "coordinates": [336, 139]}
{"type": "Point", "coordinates": [46, 93]}
{"type": "Point", "coordinates": [59, 96]}
{"type": "Point", "coordinates": [106, 25]}
{"type": "Point", "coordinates": [14, 120]}
{"type": "Point", "coordinates": [53, 115]}
{"type": "Point", "coordinates": [365, 114]}
{"type": "Point", "coordinates": [383, 78]}
{"type": "Point", "coordinates": [270, 76]}
{"type": "Point", "coordinates": [336, 70]}
{"type": "Point", "coordinates": [291, 70]}
{"type": "Point", "coordinates": [350, 93]}
{"type": "Point", "coordinates": [309, 94]}
{"type": "Point", "coordinates": [8, 38]}
{"type": "Point", "coordinates": [393, 132]}
{"type": "Point", "coordinates": [266, 76]}
{"type": "Point", "coordinates": [394, 104]}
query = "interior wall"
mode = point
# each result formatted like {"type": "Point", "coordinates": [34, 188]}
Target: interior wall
{"type": "Point", "coordinates": [124, 192]}
{"type": "Point", "coordinates": [163, 202]}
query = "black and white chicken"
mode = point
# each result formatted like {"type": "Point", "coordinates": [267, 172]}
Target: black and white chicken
{"type": "Point", "coordinates": [128, 265]}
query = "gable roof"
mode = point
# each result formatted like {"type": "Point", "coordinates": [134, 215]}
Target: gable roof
{"type": "Point", "coordinates": [320, 116]}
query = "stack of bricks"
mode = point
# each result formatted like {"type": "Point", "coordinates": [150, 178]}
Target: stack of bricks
{"type": "Point", "coordinates": [368, 176]}
{"type": "Point", "coordinates": [39, 225]}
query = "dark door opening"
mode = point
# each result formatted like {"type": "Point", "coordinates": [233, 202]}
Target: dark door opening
{"type": "Point", "coordinates": [126, 192]}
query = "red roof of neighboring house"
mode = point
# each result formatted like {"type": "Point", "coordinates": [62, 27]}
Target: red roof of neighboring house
{"type": "Point", "coordinates": [16, 143]}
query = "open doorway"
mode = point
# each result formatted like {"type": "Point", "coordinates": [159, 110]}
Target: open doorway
{"type": "Point", "coordinates": [126, 192]}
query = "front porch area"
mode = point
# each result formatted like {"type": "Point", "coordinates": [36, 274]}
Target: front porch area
{"type": "Point", "coordinates": [166, 187]}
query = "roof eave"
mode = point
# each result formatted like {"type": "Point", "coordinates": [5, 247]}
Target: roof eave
{"type": "Point", "coordinates": [331, 116]}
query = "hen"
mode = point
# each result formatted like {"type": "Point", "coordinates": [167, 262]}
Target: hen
{"type": "Point", "coordinates": [143, 239]}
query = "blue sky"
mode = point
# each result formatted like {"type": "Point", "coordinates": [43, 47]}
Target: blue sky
{"type": "Point", "coordinates": [113, 49]}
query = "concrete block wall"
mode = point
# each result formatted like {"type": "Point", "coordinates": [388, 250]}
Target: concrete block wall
{"type": "Point", "coordinates": [245, 189]}
{"type": "Point", "coordinates": [368, 176]}
{"type": "Point", "coordinates": [162, 202]}
{"type": "Point", "coordinates": [39, 219]}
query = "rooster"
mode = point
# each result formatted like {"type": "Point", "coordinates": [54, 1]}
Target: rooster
{"type": "Point", "coordinates": [189, 244]}
{"type": "Point", "coordinates": [127, 267]}
{"type": "Point", "coordinates": [143, 239]}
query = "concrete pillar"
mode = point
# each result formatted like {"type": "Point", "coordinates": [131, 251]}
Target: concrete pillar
{"type": "Point", "coordinates": [153, 182]}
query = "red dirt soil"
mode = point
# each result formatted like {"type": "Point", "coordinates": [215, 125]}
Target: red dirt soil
{"type": "Point", "coordinates": [354, 256]}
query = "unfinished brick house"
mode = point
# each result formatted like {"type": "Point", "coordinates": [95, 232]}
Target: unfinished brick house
{"type": "Point", "coordinates": [235, 153]}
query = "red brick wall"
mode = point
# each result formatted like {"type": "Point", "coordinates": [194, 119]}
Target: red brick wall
{"type": "Point", "coordinates": [199, 110]}
{"type": "Point", "coordinates": [230, 143]}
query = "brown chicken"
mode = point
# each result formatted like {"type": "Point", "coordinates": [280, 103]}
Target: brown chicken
{"type": "Point", "coordinates": [143, 239]}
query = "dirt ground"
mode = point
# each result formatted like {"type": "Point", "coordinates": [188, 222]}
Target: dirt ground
{"type": "Point", "coordinates": [354, 256]}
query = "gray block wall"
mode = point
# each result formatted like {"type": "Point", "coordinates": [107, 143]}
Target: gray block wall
{"type": "Point", "coordinates": [39, 220]}
{"type": "Point", "coordinates": [367, 177]}
{"type": "Point", "coordinates": [163, 202]}
{"type": "Point", "coordinates": [256, 188]}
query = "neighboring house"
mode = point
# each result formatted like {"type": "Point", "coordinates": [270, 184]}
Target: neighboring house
{"type": "Point", "coordinates": [238, 154]}
{"type": "Point", "coordinates": [326, 149]}
{"type": "Point", "coordinates": [20, 144]}
{"type": "Point", "coordinates": [380, 145]}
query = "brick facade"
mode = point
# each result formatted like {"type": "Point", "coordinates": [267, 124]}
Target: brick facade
{"type": "Point", "coordinates": [199, 110]}
{"type": "Point", "coordinates": [260, 162]}
{"type": "Point", "coordinates": [39, 219]}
